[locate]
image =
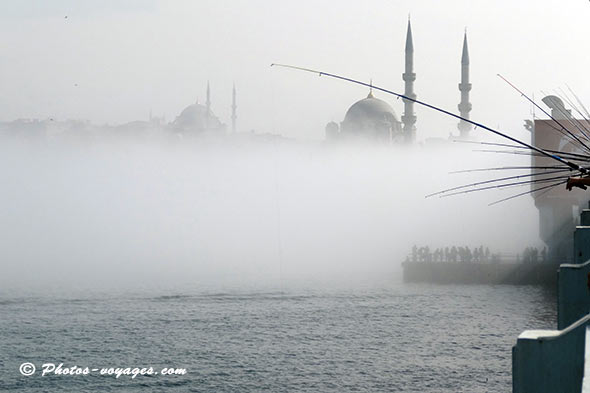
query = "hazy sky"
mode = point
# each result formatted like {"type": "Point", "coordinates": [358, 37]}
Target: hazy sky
{"type": "Point", "coordinates": [113, 61]}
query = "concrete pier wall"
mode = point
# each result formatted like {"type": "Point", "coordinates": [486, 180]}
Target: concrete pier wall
{"type": "Point", "coordinates": [585, 218]}
{"type": "Point", "coordinates": [555, 360]}
{"type": "Point", "coordinates": [549, 361]}
{"type": "Point", "coordinates": [586, 380]}
{"type": "Point", "coordinates": [573, 293]}
{"type": "Point", "coordinates": [581, 244]}
{"type": "Point", "coordinates": [480, 273]}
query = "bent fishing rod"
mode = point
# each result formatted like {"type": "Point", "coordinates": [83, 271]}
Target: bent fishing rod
{"type": "Point", "coordinates": [573, 166]}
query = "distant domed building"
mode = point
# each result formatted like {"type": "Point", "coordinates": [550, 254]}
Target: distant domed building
{"type": "Point", "coordinates": [198, 118]}
{"type": "Point", "coordinates": [371, 118]}
{"type": "Point", "coordinates": [375, 120]}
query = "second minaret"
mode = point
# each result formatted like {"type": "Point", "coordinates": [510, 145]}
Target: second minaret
{"type": "Point", "coordinates": [409, 118]}
{"type": "Point", "coordinates": [465, 87]}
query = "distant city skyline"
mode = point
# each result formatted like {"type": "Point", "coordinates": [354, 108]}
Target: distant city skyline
{"type": "Point", "coordinates": [114, 62]}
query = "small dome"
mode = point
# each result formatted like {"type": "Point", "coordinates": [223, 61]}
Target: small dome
{"type": "Point", "coordinates": [332, 127]}
{"type": "Point", "coordinates": [332, 130]}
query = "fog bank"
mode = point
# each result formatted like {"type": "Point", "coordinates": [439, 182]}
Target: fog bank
{"type": "Point", "coordinates": [194, 212]}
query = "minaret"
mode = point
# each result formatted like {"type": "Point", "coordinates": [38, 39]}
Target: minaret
{"type": "Point", "coordinates": [208, 102]}
{"type": "Point", "coordinates": [409, 119]}
{"type": "Point", "coordinates": [233, 110]}
{"type": "Point", "coordinates": [464, 88]}
{"type": "Point", "coordinates": [208, 105]}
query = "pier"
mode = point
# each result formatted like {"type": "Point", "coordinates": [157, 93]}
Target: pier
{"type": "Point", "coordinates": [461, 265]}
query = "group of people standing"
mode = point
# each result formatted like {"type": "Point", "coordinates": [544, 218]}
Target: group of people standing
{"type": "Point", "coordinates": [466, 254]}
{"type": "Point", "coordinates": [453, 254]}
{"type": "Point", "coordinates": [532, 255]}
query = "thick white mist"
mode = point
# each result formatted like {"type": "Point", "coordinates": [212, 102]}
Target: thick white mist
{"type": "Point", "coordinates": [237, 211]}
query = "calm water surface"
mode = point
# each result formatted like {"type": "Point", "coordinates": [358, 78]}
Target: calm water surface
{"type": "Point", "coordinates": [397, 337]}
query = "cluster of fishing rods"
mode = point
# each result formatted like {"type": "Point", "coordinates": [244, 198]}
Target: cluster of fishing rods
{"type": "Point", "coordinates": [571, 168]}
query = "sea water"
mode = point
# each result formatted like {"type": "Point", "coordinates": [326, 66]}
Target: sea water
{"type": "Point", "coordinates": [373, 338]}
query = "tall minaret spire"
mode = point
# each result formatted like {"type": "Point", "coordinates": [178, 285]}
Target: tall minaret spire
{"type": "Point", "coordinates": [208, 105]}
{"type": "Point", "coordinates": [464, 88]}
{"type": "Point", "coordinates": [233, 110]}
{"type": "Point", "coordinates": [208, 102]}
{"type": "Point", "coordinates": [409, 118]}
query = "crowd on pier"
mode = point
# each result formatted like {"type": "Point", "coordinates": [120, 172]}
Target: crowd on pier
{"type": "Point", "coordinates": [468, 255]}
{"type": "Point", "coordinates": [533, 255]}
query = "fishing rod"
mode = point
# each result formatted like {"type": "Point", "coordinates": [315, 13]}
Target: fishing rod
{"type": "Point", "coordinates": [545, 112]}
{"type": "Point", "coordinates": [563, 95]}
{"type": "Point", "coordinates": [514, 184]}
{"type": "Point", "coordinates": [571, 103]}
{"type": "Point", "coordinates": [579, 102]}
{"type": "Point", "coordinates": [572, 165]}
{"type": "Point", "coordinates": [567, 116]}
{"type": "Point", "coordinates": [508, 168]}
{"type": "Point", "coordinates": [568, 137]}
{"type": "Point", "coordinates": [571, 154]}
{"type": "Point", "coordinates": [489, 144]}
{"type": "Point", "coordinates": [546, 188]}
{"type": "Point", "coordinates": [498, 180]}
{"type": "Point", "coordinates": [567, 155]}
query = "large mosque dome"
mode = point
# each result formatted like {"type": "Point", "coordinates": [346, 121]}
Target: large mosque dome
{"type": "Point", "coordinates": [199, 118]}
{"type": "Point", "coordinates": [370, 108]}
{"type": "Point", "coordinates": [372, 118]}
